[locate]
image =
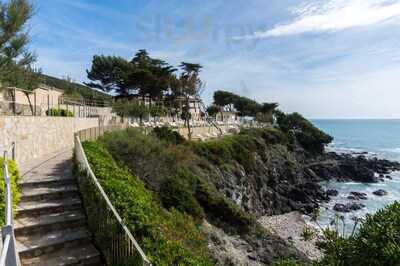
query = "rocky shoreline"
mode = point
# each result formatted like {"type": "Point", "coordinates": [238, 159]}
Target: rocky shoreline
{"type": "Point", "coordinates": [286, 179]}
{"type": "Point", "coordinates": [357, 168]}
{"type": "Point", "coordinates": [290, 181]}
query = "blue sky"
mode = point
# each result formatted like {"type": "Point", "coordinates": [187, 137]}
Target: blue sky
{"type": "Point", "coordinates": [322, 58]}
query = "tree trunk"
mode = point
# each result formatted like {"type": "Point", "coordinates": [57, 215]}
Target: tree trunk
{"type": "Point", "coordinates": [188, 118]}
{"type": "Point", "coordinates": [30, 103]}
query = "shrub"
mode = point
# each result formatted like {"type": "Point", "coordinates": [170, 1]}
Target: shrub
{"type": "Point", "coordinates": [146, 156]}
{"type": "Point", "coordinates": [168, 135]}
{"type": "Point", "coordinates": [59, 112]}
{"type": "Point", "coordinates": [310, 137]}
{"type": "Point", "coordinates": [288, 262]}
{"type": "Point", "coordinates": [240, 148]}
{"type": "Point", "coordinates": [14, 175]}
{"type": "Point", "coordinates": [376, 243]}
{"type": "Point", "coordinates": [167, 237]}
{"type": "Point", "coordinates": [169, 171]}
{"type": "Point", "coordinates": [177, 192]}
{"type": "Point", "coordinates": [222, 211]}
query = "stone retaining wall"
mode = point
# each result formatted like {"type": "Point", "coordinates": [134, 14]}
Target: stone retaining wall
{"type": "Point", "coordinates": [37, 137]}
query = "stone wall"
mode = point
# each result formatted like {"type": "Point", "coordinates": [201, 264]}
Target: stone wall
{"type": "Point", "coordinates": [37, 137]}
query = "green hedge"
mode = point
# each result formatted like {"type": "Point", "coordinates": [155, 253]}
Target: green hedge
{"type": "Point", "coordinates": [14, 174]}
{"type": "Point", "coordinates": [59, 112]}
{"type": "Point", "coordinates": [167, 237]}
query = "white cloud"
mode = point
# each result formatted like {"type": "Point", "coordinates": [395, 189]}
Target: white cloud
{"type": "Point", "coordinates": [333, 15]}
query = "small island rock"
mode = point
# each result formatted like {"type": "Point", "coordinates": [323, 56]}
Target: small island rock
{"type": "Point", "coordinates": [332, 192]}
{"type": "Point", "coordinates": [357, 196]}
{"type": "Point", "coordinates": [380, 192]}
{"type": "Point", "coordinates": [339, 207]}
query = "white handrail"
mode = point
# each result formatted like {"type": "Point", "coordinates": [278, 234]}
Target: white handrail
{"type": "Point", "coordinates": [4, 252]}
{"type": "Point", "coordinates": [84, 164]}
{"type": "Point", "coordinates": [9, 253]}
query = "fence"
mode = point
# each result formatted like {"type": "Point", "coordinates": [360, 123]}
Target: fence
{"type": "Point", "coordinates": [15, 101]}
{"type": "Point", "coordinates": [112, 236]}
{"type": "Point", "coordinates": [9, 253]}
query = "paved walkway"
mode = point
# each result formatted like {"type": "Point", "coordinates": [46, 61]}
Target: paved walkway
{"type": "Point", "coordinates": [50, 224]}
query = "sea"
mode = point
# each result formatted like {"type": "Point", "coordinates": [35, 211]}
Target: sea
{"type": "Point", "coordinates": [378, 138]}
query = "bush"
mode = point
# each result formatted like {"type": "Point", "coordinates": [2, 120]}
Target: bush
{"type": "Point", "coordinates": [167, 237]}
{"type": "Point", "coordinates": [169, 170]}
{"type": "Point", "coordinates": [376, 243]}
{"type": "Point", "coordinates": [14, 175]}
{"type": "Point", "coordinates": [310, 137]}
{"type": "Point", "coordinates": [222, 211]}
{"type": "Point", "coordinates": [240, 148]}
{"type": "Point", "coordinates": [177, 192]}
{"type": "Point", "coordinates": [146, 156]}
{"type": "Point", "coordinates": [59, 112]}
{"type": "Point", "coordinates": [168, 135]}
{"type": "Point", "coordinates": [288, 262]}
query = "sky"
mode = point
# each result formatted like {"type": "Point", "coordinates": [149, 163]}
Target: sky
{"type": "Point", "coordinates": [321, 58]}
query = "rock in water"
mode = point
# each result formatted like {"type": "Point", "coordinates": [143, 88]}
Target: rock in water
{"type": "Point", "coordinates": [341, 207]}
{"type": "Point", "coordinates": [332, 192]}
{"type": "Point", "coordinates": [380, 193]}
{"type": "Point", "coordinates": [348, 207]}
{"type": "Point", "coordinates": [357, 196]}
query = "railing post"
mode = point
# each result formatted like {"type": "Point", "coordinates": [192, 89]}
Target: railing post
{"type": "Point", "coordinates": [13, 147]}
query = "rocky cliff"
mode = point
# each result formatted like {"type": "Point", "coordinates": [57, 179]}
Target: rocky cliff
{"type": "Point", "coordinates": [226, 184]}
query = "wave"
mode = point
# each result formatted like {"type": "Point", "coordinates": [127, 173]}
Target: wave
{"type": "Point", "coordinates": [394, 150]}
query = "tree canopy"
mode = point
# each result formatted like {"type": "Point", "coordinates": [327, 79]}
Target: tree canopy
{"type": "Point", "coordinates": [15, 58]}
{"type": "Point", "coordinates": [243, 105]}
{"type": "Point", "coordinates": [310, 137]}
{"type": "Point", "coordinates": [143, 75]}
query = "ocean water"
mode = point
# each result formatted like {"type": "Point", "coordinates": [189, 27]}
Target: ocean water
{"type": "Point", "coordinates": [380, 138]}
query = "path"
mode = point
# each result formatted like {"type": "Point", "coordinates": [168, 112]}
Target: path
{"type": "Point", "coordinates": [50, 224]}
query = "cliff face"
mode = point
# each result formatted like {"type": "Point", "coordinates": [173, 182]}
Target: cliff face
{"type": "Point", "coordinates": [286, 178]}
{"type": "Point", "coordinates": [225, 184]}
{"type": "Point", "coordinates": [278, 183]}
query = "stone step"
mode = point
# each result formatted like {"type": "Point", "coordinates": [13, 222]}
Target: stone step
{"type": "Point", "coordinates": [36, 208]}
{"type": "Point", "coordinates": [80, 255]}
{"type": "Point", "coordinates": [49, 222]}
{"type": "Point", "coordinates": [48, 181]}
{"type": "Point", "coordinates": [39, 244]}
{"type": "Point", "coordinates": [47, 192]}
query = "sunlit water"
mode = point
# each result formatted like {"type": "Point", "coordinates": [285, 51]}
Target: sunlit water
{"type": "Point", "coordinates": [380, 138]}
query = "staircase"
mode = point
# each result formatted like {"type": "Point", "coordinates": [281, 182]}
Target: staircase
{"type": "Point", "coordinates": [50, 223]}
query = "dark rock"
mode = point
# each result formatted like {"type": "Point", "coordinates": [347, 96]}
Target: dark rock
{"type": "Point", "coordinates": [348, 207]}
{"type": "Point", "coordinates": [332, 192]}
{"type": "Point", "coordinates": [340, 208]}
{"type": "Point", "coordinates": [356, 206]}
{"type": "Point", "coordinates": [389, 177]}
{"type": "Point", "coordinates": [380, 192]}
{"type": "Point", "coordinates": [357, 196]}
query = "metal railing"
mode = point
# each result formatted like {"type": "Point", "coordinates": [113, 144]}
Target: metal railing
{"type": "Point", "coordinates": [9, 253]}
{"type": "Point", "coordinates": [40, 105]}
{"type": "Point", "coordinates": [112, 236]}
